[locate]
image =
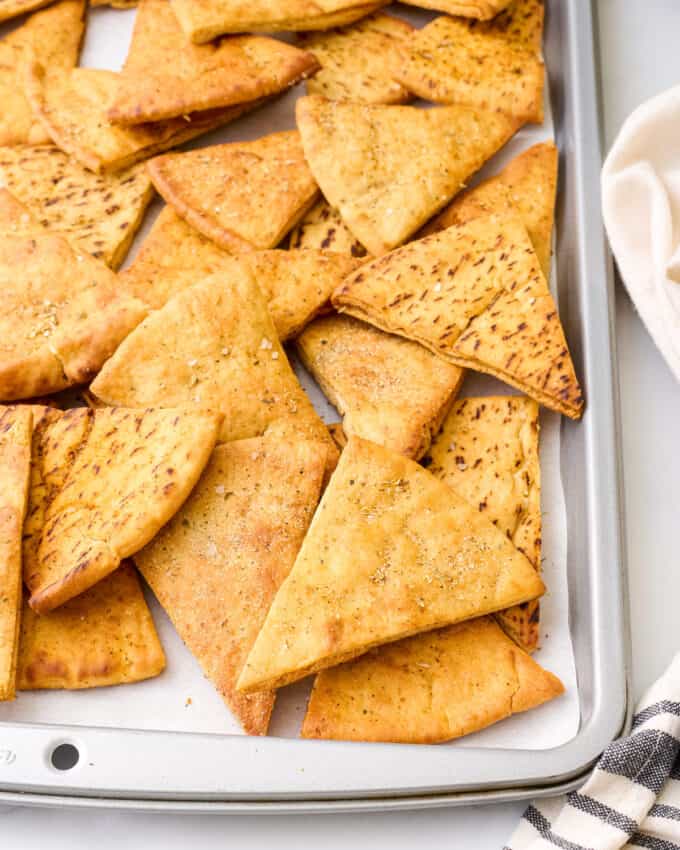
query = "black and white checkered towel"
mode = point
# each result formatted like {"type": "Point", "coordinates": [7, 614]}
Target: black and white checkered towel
{"type": "Point", "coordinates": [632, 799]}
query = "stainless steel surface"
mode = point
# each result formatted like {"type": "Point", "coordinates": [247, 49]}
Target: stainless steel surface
{"type": "Point", "coordinates": [189, 772]}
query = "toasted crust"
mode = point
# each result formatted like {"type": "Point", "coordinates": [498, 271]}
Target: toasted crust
{"type": "Point", "coordinates": [388, 169]}
{"type": "Point", "coordinates": [15, 460]}
{"type": "Point", "coordinates": [323, 229]}
{"type": "Point", "coordinates": [487, 451]}
{"type": "Point", "coordinates": [481, 10]}
{"type": "Point", "coordinates": [104, 637]}
{"type": "Point", "coordinates": [357, 61]}
{"type": "Point", "coordinates": [450, 62]}
{"type": "Point", "coordinates": [107, 511]}
{"type": "Point", "coordinates": [500, 318]}
{"type": "Point", "coordinates": [245, 195]}
{"type": "Point", "coordinates": [53, 37]}
{"type": "Point", "coordinates": [429, 689]}
{"type": "Point", "coordinates": [62, 317]}
{"type": "Point", "coordinates": [216, 566]}
{"type": "Point", "coordinates": [391, 552]}
{"type": "Point", "coordinates": [99, 214]}
{"type": "Point", "coordinates": [165, 76]}
{"type": "Point", "coordinates": [391, 391]}
{"type": "Point", "coordinates": [208, 19]}
{"type": "Point", "coordinates": [215, 345]}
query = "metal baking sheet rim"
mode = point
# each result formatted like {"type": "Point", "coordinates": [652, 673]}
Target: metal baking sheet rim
{"type": "Point", "coordinates": [538, 773]}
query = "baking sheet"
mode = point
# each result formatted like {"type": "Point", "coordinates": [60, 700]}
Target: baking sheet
{"type": "Point", "coordinates": [182, 699]}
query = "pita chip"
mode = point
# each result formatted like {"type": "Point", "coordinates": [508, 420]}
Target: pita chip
{"type": "Point", "coordinates": [99, 214]}
{"type": "Point", "coordinates": [390, 390]}
{"type": "Point", "coordinates": [429, 689]}
{"type": "Point", "coordinates": [388, 169]}
{"type": "Point", "coordinates": [522, 21]}
{"type": "Point", "coordinates": [391, 551]}
{"type": "Point", "coordinates": [53, 37]}
{"type": "Point", "coordinates": [216, 566]}
{"type": "Point", "coordinates": [475, 295]}
{"type": "Point", "coordinates": [62, 314]}
{"type": "Point", "coordinates": [527, 186]}
{"type": "Point", "coordinates": [72, 108]}
{"type": "Point", "coordinates": [449, 62]}
{"type": "Point", "coordinates": [487, 451]}
{"type": "Point", "coordinates": [480, 10]}
{"type": "Point", "coordinates": [357, 61]}
{"type": "Point", "coordinates": [323, 229]}
{"type": "Point", "coordinates": [166, 76]}
{"type": "Point", "coordinates": [131, 474]}
{"type": "Point", "coordinates": [105, 636]}
{"type": "Point", "coordinates": [203, 21]}
{"type": "Point", "coordinates": [15, 460]}
{"type": "Point", "coordinates": [338, 434]}
{"type": "Point", "coordinates": [215, 345]}
{"type": "Point", "coordinates": [245, 196]}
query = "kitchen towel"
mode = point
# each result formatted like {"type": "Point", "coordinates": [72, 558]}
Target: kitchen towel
{"type": "Point", "coordinates": [641, 208]}
{"type": "Point", "coordinates": [632, 798]}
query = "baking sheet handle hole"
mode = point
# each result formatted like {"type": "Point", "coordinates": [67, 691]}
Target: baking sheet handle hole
{"type": "Point", "coordinates": [65, 757]}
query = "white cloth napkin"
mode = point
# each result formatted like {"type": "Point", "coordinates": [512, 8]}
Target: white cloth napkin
{"type": "Point", "coordinates": [641, 208]}
{"type": "Point", "coordinates": [632, 798]}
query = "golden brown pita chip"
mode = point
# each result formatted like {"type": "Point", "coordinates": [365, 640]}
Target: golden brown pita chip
{"type": "Point", "coordinates": [522, 21]}
{"type": "Point", "coordinates": [216, 566]}
{"type": "Point", "coordinates": [449, 62]}
{"type": "Point", "coordinates": [244, 195]}
{"type": "Point", "coordinates": [166, 76]}
{"type": "Point", "coordinates": [391, 552]}
{"type": "Point", "coordinates": [215, 345]}
{"type": "Point", "coordinates": [429, 689]}
{"type": "Point", "coordinates": [357, 61]}
{"type": "Point", "coordinates": [390, 390]}
{"type": "Point", "coordinates": [475, 295]}
{"type": "Point", "coordinates": [15, 460]}
{"type": "Point", "coordinates": [53, 37]}
{"type": "Point", "coordinates": [323, 229]}
{"type": "Point", "coordinates": [72, 108]}
{"type": "Point", "coordinates": [388, 169]}
{"type": "Point", "coordinates": [132, 473]}
{"type": "Point", "coordinates": [481, 10]}
{"type": "Point", "coordinates": [528, 185]}
{"type": "Point", "coordinates": [487, 451]}
{"type": "Point", "coordinates": [62, 315]}
{"type": "Point", "coordinates": [205, 20]}
{"type": "Point", "coordinates": [105, 636]}
{"type": "Point", "coordinates": [99, 214]}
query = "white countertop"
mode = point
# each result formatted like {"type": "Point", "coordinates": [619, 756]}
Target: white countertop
{"type": "Point", "coordinates": [639, 51]}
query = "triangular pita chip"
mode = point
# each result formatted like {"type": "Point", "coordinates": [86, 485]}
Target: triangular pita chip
{"type": "Point", "coordinates": [481, 10]}
{"type": "Point", "coordinates": [487, 451]}
{"type": "Point", "coordinates": [100, 214]}
{"type": "Point", "coordinates": [62, 315]}
{"type": "Point", "coordinates": [244, 195]}
{"type": "Point", "coordinates": [105, 636]}
{"type": "Point", "coordinates": [357, 61]}
{"type": "Point", "coordinates": [216, 566]}
{"type": "Point", "coordinates": [388, 169]}
{"type": "Point", "coordinates": [214, 345]}
{"type": "Point", "coordinates": [132, 473]}
{"type": "Point", "coordinates": [323, 229]}
{"type": "Point", "coordinates": [72, 108]}
{"type": "Point", "coordinates": [15, 461]}
{"type": "Point", "coordinates": [429, 689]}
{"type": "Point", "coordinates": [53, 37]}
{"type": "Point", "coordinates": [521, 21]}
{"type": "Point", "coordinates": [206, 20]}
{"type": "Point", "coordinates": [391, 552]}
{"type": "Point", "coordinates": [528, 185]}
{"type": "Point", "coordinates": [475, 295]}
{"type": "Point", "coordinates": [390, 390]}
{"type": "Point", "coordinates": [449, 62]}
{"type": "Point", "coordinates": [166, 76]}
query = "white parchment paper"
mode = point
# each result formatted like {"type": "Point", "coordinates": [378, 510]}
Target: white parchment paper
{"type": "Point", "coordinates": [181, 699]}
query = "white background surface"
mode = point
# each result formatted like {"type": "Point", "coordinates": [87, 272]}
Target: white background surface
{"type": "Point", "coordinates": [640, 58]}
